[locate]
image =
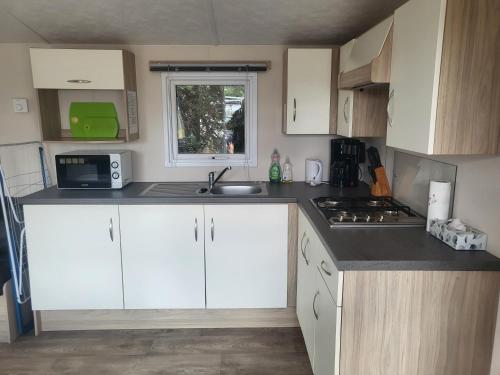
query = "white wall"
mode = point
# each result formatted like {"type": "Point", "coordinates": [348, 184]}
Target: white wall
{"type": "Point", "coordinates": [149, 149]}
{"type": "Point", "coordinates": [16, 82]}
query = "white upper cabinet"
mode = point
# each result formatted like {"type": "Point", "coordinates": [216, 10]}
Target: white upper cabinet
{"type": "Point", "coordinates": [308, 81]}
{"type": "Point", "coordinates": [443, 91]}
{"type": "Point", "coordinates": [344, 117]}
{"type": "Point", "coordinates": [74, 257]}
{"type": "Point", "coordinates": [246, 256]}
{"type": "Point", "coordinates": [163, 256]}
{"type": "Point", "coordinates": [416, 60]}
{"type": "Point", "coordinates": [77, 69]}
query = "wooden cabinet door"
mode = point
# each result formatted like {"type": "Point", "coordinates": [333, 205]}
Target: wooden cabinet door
{"type": "Point", "coordinates": [309, 74]}
{"type": "Point", "coordinates": [416, 61]}
{"type": "Point", "coordinates": [326, 331]}
{"type": "Point", "coordinates": [74, 256]}
{"type": "Point", "coordinates": [306, 285]}
{"type": "Point", "coordinates": [345, 112]}
{"type": "Point", "coordinates": [246, 255]}
{"type": "Point", "coordinates": [163, 256]}
{"type": "Point", "coordinates": [77, 69]}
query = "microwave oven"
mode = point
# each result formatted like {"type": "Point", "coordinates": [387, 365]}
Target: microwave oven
{"type": "Point", "coordinates": [94, 169]}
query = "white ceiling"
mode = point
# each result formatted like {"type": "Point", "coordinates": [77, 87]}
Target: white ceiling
{"type": "Point", "coordinates": [209, 22]}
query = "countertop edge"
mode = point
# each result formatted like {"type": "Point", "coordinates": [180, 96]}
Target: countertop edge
{"type": "Point", "coordinates": [299, 194]}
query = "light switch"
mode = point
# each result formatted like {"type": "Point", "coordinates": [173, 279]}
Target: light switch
{"type": "Point", "coordinates": [20, 105]}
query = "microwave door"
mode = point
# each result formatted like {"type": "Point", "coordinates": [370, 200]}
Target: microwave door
{"type": "Point", "coordinates": [83, 172]}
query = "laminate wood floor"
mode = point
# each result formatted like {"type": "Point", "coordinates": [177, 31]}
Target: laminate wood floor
{"type": "Point", "coordinates": [249, 351]}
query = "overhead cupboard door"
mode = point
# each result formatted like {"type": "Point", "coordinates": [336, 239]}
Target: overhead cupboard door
{"type": "Point", "coordinates": [415, 66]}
{"type": "Point", "coordinates": [74, 256]}
{"type": "Point", "coordinates": [309, 73]}
{"type": "Point", "coordinates": [246, 255]}
{"type": "Point", "coordinates": [163, 256]}
{"type": "Point", "coordinates": [77, 69]}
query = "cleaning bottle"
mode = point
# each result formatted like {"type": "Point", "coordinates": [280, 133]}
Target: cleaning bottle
{"type": "Point", "coordinates": [287, 171]}
{"type": "Point", "coordinates": [275, 170]}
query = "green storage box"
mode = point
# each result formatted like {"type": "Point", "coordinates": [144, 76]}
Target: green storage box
{"type": "Point", "coordinates": [93, 120]}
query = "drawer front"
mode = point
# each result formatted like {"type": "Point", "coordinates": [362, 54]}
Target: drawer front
{"type": "Point", "coordinates": [77, 69]}
{"type": "Point", "coordinates": [307, 241]}
{"type": "Point", "coordinates": [334, 278]}
{"type": "Point", "coordinates": [311, 247]}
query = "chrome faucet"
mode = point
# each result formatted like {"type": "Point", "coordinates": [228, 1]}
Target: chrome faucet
{"type": "Point", "coordinates": [212, 180]}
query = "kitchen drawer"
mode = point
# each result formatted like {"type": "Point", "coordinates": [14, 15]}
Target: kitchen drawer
{"type": "Point", "coordinates": [77, 69]}
{"type": "Point", "coordinates": [307, 241]}
{"type": "Point", "coordinates": [315, 253]}
{"type": "Point", "coordinates": [334, 278]}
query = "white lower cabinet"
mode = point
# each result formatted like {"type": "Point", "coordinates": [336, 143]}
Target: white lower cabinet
{"type": "Point", "coordinates": [157, 256]}
{"type": "Point", "coordinates": [74, 256]}
{"type": "Point", "coordinates": [246, 256]}
{"type": "Point", "coordinates": [163, 256]}
{"type": "Point", "coordinates": [326, 331]}
{"type": "Point", "coordinates": [306, 285]}
{"type": "Point", "coordinates": [318, 308]}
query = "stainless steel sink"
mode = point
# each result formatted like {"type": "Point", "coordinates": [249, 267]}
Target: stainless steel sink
{"type": "Point", "coordinates": [236, 189]}
{"type": "Point", "coordinates": [200, 189]}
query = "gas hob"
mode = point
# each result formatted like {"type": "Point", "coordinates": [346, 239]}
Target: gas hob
{"type": "Point", "coordinates": [366, 212]}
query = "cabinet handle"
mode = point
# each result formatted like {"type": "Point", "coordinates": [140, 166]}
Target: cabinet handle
{"type": "Point", "coordinates": [324, 268]}
{"type": "Point", "coordinates": [79, 81]}
{"type": "Point", "coordinates": [389, 102]}
{"type": "Point", "coordinates": [212, 229]}
{"type": "Point", "coordinates": [294, 109]}
{"type": "Point", "coordinates": [346, 103]}
{"type": "Point", "coordinates": [314, 305]}
{"type": "Point", "coordinates": [111, 229]}
{"type": "Point", "coordinates": [196, 229]}
{"type": "Point", "coordinates": [303, 248]}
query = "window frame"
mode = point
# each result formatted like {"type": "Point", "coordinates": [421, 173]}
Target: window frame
{"type": "Point", "coordinates": [172, 157]}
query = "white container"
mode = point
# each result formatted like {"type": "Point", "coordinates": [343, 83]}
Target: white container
{"type": "Point", "coordinates": [439, 201]}
{"type": "Point", "coordinates": [467, 238]}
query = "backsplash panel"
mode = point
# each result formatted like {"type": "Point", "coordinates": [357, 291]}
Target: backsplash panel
{"type": "Point", "coordinates": [412, 175]}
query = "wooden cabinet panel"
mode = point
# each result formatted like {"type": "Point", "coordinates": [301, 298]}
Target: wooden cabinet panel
{"type": "Point", "coordinates": [418, 322]}
{"type": "Point", "coordinates": [74, 256]}
{"type": "Point", "coordinates": [363, 112]}
{"type": "Point", "coordinates": [163, 256]}
{"type": "Point", "coordinates": [246, 256]}
{"type": "Point", "coordinates": [63, 68]}
{"type": "Point", "coordinates": [468, 119]}
{"type": "Point", "coordinates": [307, 89]}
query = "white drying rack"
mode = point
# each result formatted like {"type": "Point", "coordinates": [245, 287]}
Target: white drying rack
{"type": "Point", "coordinates": [22, 171]}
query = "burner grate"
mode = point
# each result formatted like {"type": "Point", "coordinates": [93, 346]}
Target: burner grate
{"type": "Point", "coordinates": [367, 211]}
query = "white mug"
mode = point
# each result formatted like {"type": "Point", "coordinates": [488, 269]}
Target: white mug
{"type": "Point", "coordinates": [314, 171]}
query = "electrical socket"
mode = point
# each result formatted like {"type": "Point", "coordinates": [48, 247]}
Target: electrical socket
{"type": "Point", "coordinates": [20, 105]}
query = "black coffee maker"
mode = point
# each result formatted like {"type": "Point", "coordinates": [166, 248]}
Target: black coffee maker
{"type": "Point", "coordinates": [345, 157]}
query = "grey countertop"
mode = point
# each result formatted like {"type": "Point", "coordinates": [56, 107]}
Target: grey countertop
{"type": "Point", "coordinates": [350, 248]}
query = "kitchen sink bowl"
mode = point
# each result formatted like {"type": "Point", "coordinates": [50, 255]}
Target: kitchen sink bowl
{"type": "Point", "coordinates": [229, 189]}
{"type": "Point", "coordinates": [236, 189]}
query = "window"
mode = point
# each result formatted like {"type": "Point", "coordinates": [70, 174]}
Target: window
{"type": "Point", "coordinates": [210, 118]}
